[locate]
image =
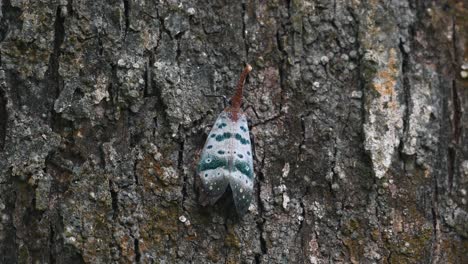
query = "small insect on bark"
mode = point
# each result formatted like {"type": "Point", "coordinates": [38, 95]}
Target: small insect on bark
{"type": "Point", "coordinates": [226, 158]}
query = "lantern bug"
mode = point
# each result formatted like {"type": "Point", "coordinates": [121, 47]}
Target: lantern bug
{"type": "Point", "coordinates": [227, 157]}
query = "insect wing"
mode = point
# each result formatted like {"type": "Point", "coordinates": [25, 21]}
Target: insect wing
{"type": "Point", "coordinates": [241, 175]}
{"type": "Point", "coordinates": [227, 159]}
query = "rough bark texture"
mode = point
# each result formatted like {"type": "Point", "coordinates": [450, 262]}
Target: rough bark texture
{"type": "Point", "coordinates": [361, 146]}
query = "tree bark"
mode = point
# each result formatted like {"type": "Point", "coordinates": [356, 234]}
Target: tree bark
{"type": "Point", "coordinates": [358, 118]}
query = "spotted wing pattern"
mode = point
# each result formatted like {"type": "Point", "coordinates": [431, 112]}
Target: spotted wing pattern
{"type": "Point", "coordinates": [227, 160]}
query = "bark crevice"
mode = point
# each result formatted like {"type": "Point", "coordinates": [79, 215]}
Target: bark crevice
{"type": "Point", "coordinates": [126, 5]}
{"type": "Point", "coordinates": [3, 114]}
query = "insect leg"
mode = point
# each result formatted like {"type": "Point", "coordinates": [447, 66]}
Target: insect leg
{"type": "Point", "coordinates": [253, 109]}
{"type": "Point", "coordinates": [225, 100]}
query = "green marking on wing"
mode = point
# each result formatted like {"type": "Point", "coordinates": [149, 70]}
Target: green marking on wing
{"type": "Point", "coordinates": [242, 140]}
{"type": "Point", "coordinates": [244, 168]}
{"type": "Point", "coordinates": [222, 125]}
{"type": "Point", "coordinates": [210, 162]}
{"type": "Point", "coordinates": [224, 136]}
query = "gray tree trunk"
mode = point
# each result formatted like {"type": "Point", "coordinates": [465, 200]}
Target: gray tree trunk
{"type": "Point", "coordinates": [361, 146]}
